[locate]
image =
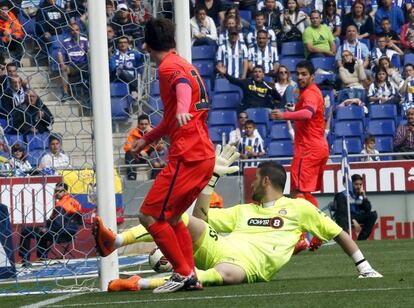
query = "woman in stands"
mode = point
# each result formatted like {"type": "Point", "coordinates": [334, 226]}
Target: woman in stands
{"type": "Point", "coordinates": [293, 20]}
{"type": "Point", "coordinates": [233, 12]}
{"type": "Point", "coordinates": [360, 19]}
{"type": "Point", "coordinates": [18, 162]}
{"type": "Point", "coordinates": [352, 75]}
{"type": "Point", "coordinates": [286, 87]}
{"type": "Point", "coordinates": [394, 76]}
{"type": "Point", "coordinates": [331, 18]}
{"type": "Point", "coordinates": [381, 91]}
{"type": "Point", "coordinates": [230, 22]}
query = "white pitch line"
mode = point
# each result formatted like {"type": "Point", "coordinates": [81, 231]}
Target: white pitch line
{"type": "Point", "coordinates": [233, 296]}
{"type": "Point", "coordinates": [51, 301]}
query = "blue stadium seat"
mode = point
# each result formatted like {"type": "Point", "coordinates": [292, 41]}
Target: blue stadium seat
{"type": "Point", "coordinates": [280, 149]}
{"type": "Point", "coordinates": [155, 118]}
{"type": "Point", "coordinates": [384, 144]}
{"type": "Point", "coordinates": [319, 78]}
{"type": "Point", "coordinates": [155, 88]}
{"type": "Point", "coordinates": [325, 63]}
{"type": "Point", "coordinates": [293, 49]}
{"type": "Point", "coordinates": [262, 129]}
{"type": "Point", "coordinates": [290, 62]}
{"type": "Point", "coordinates": [13, 139]}
{"type": "Point", "coordinates": [205, 68]}
{"type": "Point", "coordinates": [352, 112]}
{"type": "Point", "coordinates": [366, 41]}
{"type": "Point", "coordinates": [246, 15]}
{"type": "Point", "coordinates": [382, 127]}
{"type": "Point", "coordinates": [120, 106]}
{"type": "Point", "coordinates": [119, 89]}
{"type": "Point", "coordinates": [222, 117]}
{"type": "Point", "coordinates": [3, 123]}
{"type": "Point", "coordinates": [396, 61]}
{"type": "Point", "coordinates": [353, 145]}
{"type": "Point", "coordinates": [279, 131]}
{"type": "Point", "coordinates": [216, 132]}
{"type": "Point", "coordinates": [349, 128]}
{"type": "Point", "coordinates": [203, 52]}
{"type": "Point", "coordinates": [409, 58]}
{"type": "Point", "coordinates": [28, 24]}
{"type": "Point", "coordinates": [34, 157]}
{"type": "Point", "coordinates": [207, 83]}
{"type": "Point", "coordinates": [155, 103]}
{"type": "Point", "coordinates": [259, 115]}
{"type": "Point", "coordinates": [222, 85]}
{"type": "Point", "coordinates": [382, 111]}
{"type": "Point", "coordinates": [226, 101]}
{"type": "Point", "coordinates": [37, 141]}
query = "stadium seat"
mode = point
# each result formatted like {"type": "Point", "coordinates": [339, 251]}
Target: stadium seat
{"type": "Point", "coordinates": [352, 112]}
{"type": "Point", "coordinates": [382, 111]}
{"type": "Point", "coordinates": [279, 131]}
{"type": "Point", "coordinates": [226, 101]}
{"type": "Point", "coordinates": [3, 123]}
{"type": "Point", "coordinates": [246, 15]}
{"type": "Point", "coordinates": [155, 118]}
{"type": "Point", "coordinates": [382, 127]}
{"type": "Point", "coordinates": [262, 129]}
{"type": "Point", "coordinates": [222, 117]}
{"type": "Point", "coordinates": [34, 157]}
{"type": "Point", "coordinates": [222, 85]}
{"type": "Point", "coordinates": [353, 145]}
{"type": "Point", "coordinates": [349, 128]}
{"type": "Point", "coordinates": [366, 41]}
{"type": "Point", "coordinates": [119, 107]}
{"type": "Point", "coordinates": [28, 24]}
{"type": "Point", "coordinates": [216, 133]}
{"type": "Point", "coordinates": [409, 58]}
{"type": "Point", "coordinates": [259, 115]}
{"type": "Point", "coordinates": [325, 63]}
{"type": "Point", "coordinates": [155, 88]}
{"type": "Point", "coordinates": [37, 141]}
{"type": "Point", "coordinates": [155, 103]}
{"type": "Point", "coordinates": [13, 139]}
{"type": "Point", "coordinates": [205, 68]}
{"type": "Point", "coordinates": [119, 89]}
{"type": "Point", "coordinates": [396, 61]}
{"type": "Point", "coordinates": [319, 78]}
{"type": "Point", "coordinates": [207, 83]}
{"type": "Point", "coordinates": [293, 49]}
{"type": "Point", "coordinates": [384, 144]}
{"type": "Point", "coordinates": [290, 62]}
{"type": "Point", "coordinates": [280, 149]}
{"type": "Point", "coordinates": [203, 52]}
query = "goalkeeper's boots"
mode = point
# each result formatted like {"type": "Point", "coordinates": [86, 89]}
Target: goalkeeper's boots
{"type": "Point", "coordinates": [178, 282]}
{"type": "Point", "coordinates": [302, 244]}
{"type": "Point", "coordinates": [370, 274]}
{"type": "Point", "coordinates": [104, 237]}
{"type": "Point", "coordinates": [129, 284]}
{"type": "Point", "coordinates": [315, 243]}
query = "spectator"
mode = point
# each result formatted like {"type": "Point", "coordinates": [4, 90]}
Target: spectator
{"type": "Point", "coordinates": [360, 209]}
{"type": "Point", "coordinates": [30, 7]}
{"type": "Point", "coordinates": [286, 87]}
{"type": "Point", "coordinates": [12, 98]}
{"type": "Point", "coordinates": [384, 49]}
{"type": "Point", "coordinates": [110, 10]}
{"type": "Point", "coordinates": [248, 5]}
{"type": "Point", "coordinates": [233, 56]}
{"type": "Point", "coordinates": [32, 116]}
{"type": "Point", "coordinates": [229, 23]}
{"type": "Point", "coordinates": [12, 33]}
{"type": "Point", "coordinates": [124, 24]}
{"type": "Point", "coordinates": [318, 39]}
{"type": "Point", "coordinates": [137, 133]}
{"type": "Point", "coordinates": [393, 12]}
{"type": "Point", "coordinates": [11, 71]}
{"type": "Point", "coordinates": [73, 59]}
{"type": "Point", "coordinates": [19, 164]}
{"type": "Point", "coordinates": [236, 134]}
{"type": "Point", "coordinates": [404, 137]}
{"type": "Point", "coordinates": [353, 45]}
{"type": "Point", "coordinates": [272, 12]}
{"type": "Point", "coordinates": [353, 77]}
{"type": "Point", "coordinates": [126, 64]}
{"type": "Point", "coordinates": [371, 153]}
{"type": "Point", "coordinates": [261, 4]}
{"type": "Point", "coordinates": [256, 91]}
{"type": "Point", "coordinates": [394, 76]}
{"type": "Point", "coordinates": [331, 18]}
{"type": "Point", "coordinates": [233, 12]}
{"type": "Point", "coordinates": [407, 33]}
{"type": "Point", "coordinates": [359, 19]}
{"type": "Point", "coordinates": [111, 40]}
{"type": "Point", "coordinates": [140, 11]}
{"type": "Point", "coordinates": [61, 227]}
{"type": "Point", "coordinates": [264, 54]}
{"type": "Point", "coordinates": [294, 22]}
{"type": "Point", "coordinates": [203, 28]}
{"type": "Point", "coordinates": [251, 147]}
{"type": "Point", "coordinates": [390, 35]}
{"type": "Point", "coordinates": [407, 88]}
{"type": "Point", "coordinates": [215, 9]}
{"type": "Point", "coordinates": [55, 158]}
{"type": "Point", "coordinates": [381, 91]}
{"type": "Point", "coordinates": [260, 25]}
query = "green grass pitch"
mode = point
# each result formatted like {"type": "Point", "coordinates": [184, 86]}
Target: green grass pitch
{"type": "Point", "coordinates": [326, 278]}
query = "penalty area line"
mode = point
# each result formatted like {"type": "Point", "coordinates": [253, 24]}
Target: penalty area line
{"type": "Point", "coordinates": [51, 301]}
{"type": "Point", "coordinates": [177, 299]}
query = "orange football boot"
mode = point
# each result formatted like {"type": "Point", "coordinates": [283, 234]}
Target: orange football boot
{"type": "Point", "coordinates": [129, 284]}
{"type": "Point", "coordinates": [104, 237]}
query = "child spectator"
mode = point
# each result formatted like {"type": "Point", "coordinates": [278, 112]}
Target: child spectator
{"type": "Point", "coordinates": [394, 75]}
{"type": "Point", "coordinates": [381, 91]}
{"type": "Point", "coordinates": [390, 35]}
{"type": "Point", "coordinates": [371, 154]}
{"type": "Point", "coordinates": [236, 134]}
{"type": "Point", "coordinates": [384, 48]}
{"type": "Point", "coordinates": [250, 147]}
{"type": "Point", "coordinates": [19, 164]}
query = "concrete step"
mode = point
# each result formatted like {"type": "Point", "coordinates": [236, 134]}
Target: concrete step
{"type": "Point", "coordinates": [73, 125]}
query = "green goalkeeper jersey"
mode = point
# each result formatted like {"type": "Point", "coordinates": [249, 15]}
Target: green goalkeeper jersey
{"type": "Point", "coordinates": [264, 238]}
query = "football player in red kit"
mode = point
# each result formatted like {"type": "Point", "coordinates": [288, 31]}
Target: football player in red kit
{"type": "Point", "coordinates": [311, 150]}
{"type": "Point", "coordinates": [191, 155]}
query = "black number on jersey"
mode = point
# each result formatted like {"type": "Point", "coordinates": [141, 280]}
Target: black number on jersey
{"type": "Point", "coordinates": [203, 103]}
{"type": "Point", "coordinates": [213, 233]}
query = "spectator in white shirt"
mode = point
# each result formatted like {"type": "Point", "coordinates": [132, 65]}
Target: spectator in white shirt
{"type": "Point", "coordinates": [54, 158]}
{"type": "Point", "coordinates": [203, 28]}
{"type": "Point", "coordinates": [236, 135]}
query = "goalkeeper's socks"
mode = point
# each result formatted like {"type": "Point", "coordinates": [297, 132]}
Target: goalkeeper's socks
{"type": "Point", "coordinates": [186, 243]}
{"type": "Point", "coordinates": [164, 236]}
{"type": "Point", "coordinates": [210, 277]}
{"type": "Point", "coordinates": [360, 262]}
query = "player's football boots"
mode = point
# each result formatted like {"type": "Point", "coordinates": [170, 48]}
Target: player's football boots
{"type": "Point", "coordinates": [370, 274]}
{"type": "Point", "coordinates": [104, 237]}
{"type": "Point", "coordinates": [178, 282]}
{"type": "Point", "coordinates": [301, 245]}
{"type": "Point", "coordinates": [129, 284]}
{"type": "Point", "coordinates": [315, 243]}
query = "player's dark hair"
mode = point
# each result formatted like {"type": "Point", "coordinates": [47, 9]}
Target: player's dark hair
{"type": "Point", "coordinates": [356, 177]}
{"type": "Point", "coordinates": [250, 122]}
{"type": "Point", "coordinates": [275, 172]}
{"type": "Point", "coordinates": [62, 185]}
{"type": "Point", "coordinates": [369, 139]}
{"type": "Point", "coordinates": [306, 65]}
{"type": "Point", "coordinates": [159, 34]}
{"type": "Point", "coordinates": [143, 117]}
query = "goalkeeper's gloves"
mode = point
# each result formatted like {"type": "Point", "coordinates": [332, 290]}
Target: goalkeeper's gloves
{"type": "Point", "coordinates": [224, 159]}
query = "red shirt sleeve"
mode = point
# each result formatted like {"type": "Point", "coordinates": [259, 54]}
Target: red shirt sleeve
{"type": "Point", "coordinates": [157, 133]}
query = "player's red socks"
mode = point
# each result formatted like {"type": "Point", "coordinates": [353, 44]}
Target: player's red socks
{"type": "Point", "coordinates": [166, 240]}
{"type": "Point", "coordinates": [185, 242]}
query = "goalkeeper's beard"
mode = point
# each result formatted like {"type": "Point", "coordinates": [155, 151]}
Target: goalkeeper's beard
{"type": "Point", "coordinates": [258, 194]}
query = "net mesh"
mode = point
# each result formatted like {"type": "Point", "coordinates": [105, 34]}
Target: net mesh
{"type": "Point", "coordinates": [47, 137]}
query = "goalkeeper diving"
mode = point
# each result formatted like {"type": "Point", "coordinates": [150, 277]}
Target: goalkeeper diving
{"type": "Point", "coordinates": [260, 238]}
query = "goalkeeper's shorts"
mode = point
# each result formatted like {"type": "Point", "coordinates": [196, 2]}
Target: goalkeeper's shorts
{"type": "Point", "coordinates": [176, 187]}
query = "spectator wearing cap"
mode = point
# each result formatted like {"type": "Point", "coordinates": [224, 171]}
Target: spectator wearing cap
{"type": "Point", "coordinates": [203, 28]}
{"type": "Point", "coordinates": [232, 57]}
{"type": "Point", "coordinates": [264, 54]}
{"type": "Point", "coordinates": [124, 24]}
